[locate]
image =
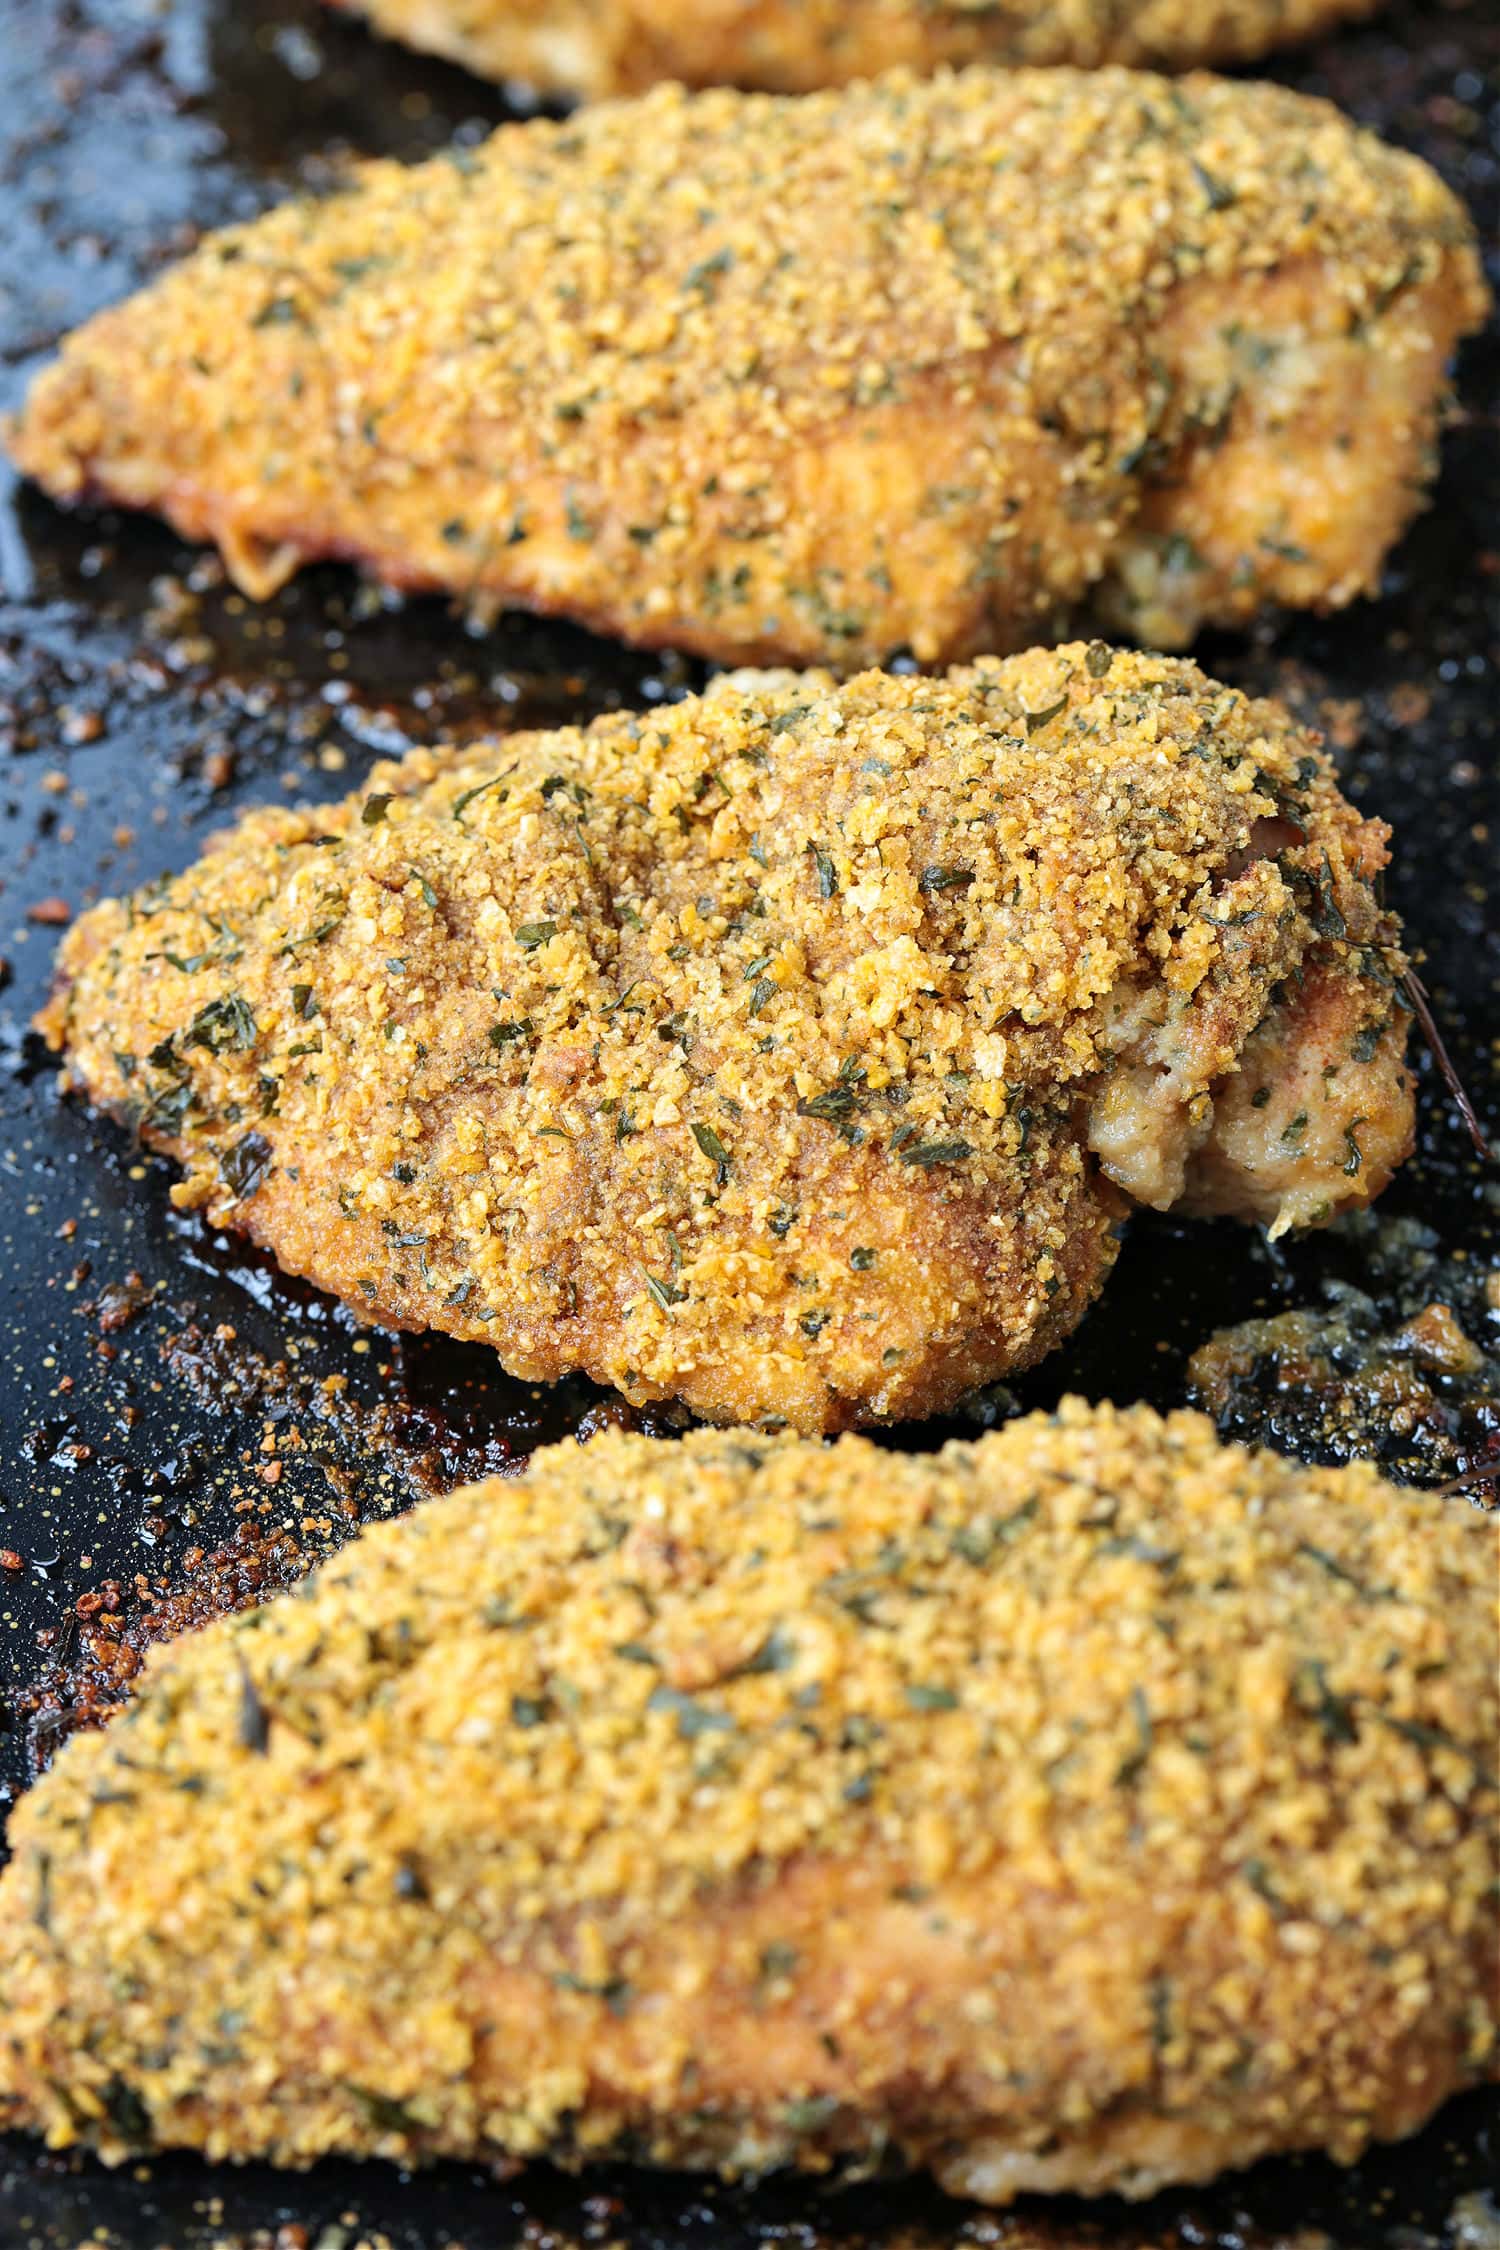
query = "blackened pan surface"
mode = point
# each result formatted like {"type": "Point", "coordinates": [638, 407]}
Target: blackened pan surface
{"type": "Point", "coordinates": [179, 1430]}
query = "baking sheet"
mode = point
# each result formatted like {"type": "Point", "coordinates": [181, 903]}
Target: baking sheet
{"type": "Point", "coordinates": [180, 1430]}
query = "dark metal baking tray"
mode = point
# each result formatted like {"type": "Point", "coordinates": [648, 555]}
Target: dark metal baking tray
{"type": "Point", "coordinates": [141, 703]}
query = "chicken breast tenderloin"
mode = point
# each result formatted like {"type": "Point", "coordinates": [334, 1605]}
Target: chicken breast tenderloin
{"type": "Point", "coordinates": [1090, 1807]}
{"type": "Point", "coordinates": [598, 47]}
{"type": "Point", "coordinates": [929, 365]}
{"type": "Point", "coordinates": [785, 1051]}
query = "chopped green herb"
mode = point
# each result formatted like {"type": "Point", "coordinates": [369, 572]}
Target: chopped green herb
{"type": "Point", "coordinates": [1219, 195]}
{"type": "Point", "coordinates": [1254, 1872]}
{"type": "Point", "coordinates": [385, 2115]}
{"type": "Point", "coordinates": [927, 1154]}
{"type": "Point", "coordinates": [976, 1542]}
{"type": "Point", "coordinates": [776, 1653]}
{"type": "Point", "coordinates": [1338, 1570]}
{"type": "Point", "coordinates": [480, 788]}
{"type": "Point", "coordinates": [279, 312]}
{"type": "Point", "coordinates": [713, 1148]}
{"type": "Point", "coordinates": [693, 1718]}
{"type": "Point", "coordinates": [812, 2113]}
{"type": "Point", "coordinates": [1425, 1737]}
{"type": "Point", "coordinates": [126, 2112]}
{"type": "Point", "coordinates": [837, 1102]}
{"type": "Point", "coordinates": [706, 272]}
{"type": "Point", "coordinates": [253, 1725]}
{"type": "Point", "coordinates": [615, 1992]}
{"type": "Point", "coordinates": [1131, 1767]}
{"type": "Point", "coordinates": [410, 1883]}
{"type": "Point", "coordinates": [223, 1026]}
{"type": "Point", "coordinates": [314, 936]}
{"type": "Point", "coordinates": [828, 878]}
{"type": "Point", "coordinates": [778, 1961]}
{"type": "Point", "coordinates": [1333, 1712]}
{"type": "Point", "coordinates": [243, 1166]}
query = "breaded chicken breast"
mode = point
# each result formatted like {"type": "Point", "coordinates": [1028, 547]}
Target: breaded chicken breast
{"type": "Point", "coordinates": [1090, 1807]}
{"type": "Point", "coordinates": [913, 365]}
{"type": "Point", "coordinates": [598, 47]}
{"type": "Point", "coordinates": [785, 1051]}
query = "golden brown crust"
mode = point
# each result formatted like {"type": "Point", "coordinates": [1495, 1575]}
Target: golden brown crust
{"type": "Point", "coordinates": [1089, 1806]}
{"type": "Point", "coordinates": [598, 47]}
{"type": "Point", "coordinates": [749, 1051]}
{"type": "Point", "coordinates": [926, 365]}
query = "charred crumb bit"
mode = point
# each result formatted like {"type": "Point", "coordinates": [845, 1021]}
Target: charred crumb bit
{"type": "Point", "coordinates": [120, 1303]}
{"type": "Point", "coordinates": [1409, 1377]}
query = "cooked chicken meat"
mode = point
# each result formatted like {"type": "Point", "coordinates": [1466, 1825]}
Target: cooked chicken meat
{"type": "Point", "coordinates": [779, 1051]}
{"type": "Point", "coordinates": [913, 365]}
{"type": "Point", "coordinates": [1090, 1807]}
{"type": "Point", "coordinates": [595, 47]}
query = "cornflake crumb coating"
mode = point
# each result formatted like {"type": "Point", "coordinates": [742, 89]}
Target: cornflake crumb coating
{"type": "Point", "coordinates": [1089, 1806]}
{"type": "Point", "coordinates": [746, 1052]}
{"type": "Point", "coordinates": [928, 365]}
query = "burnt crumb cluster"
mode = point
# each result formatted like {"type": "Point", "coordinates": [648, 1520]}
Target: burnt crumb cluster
{"type": "Point", "coordinates": [1404, 1372]}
